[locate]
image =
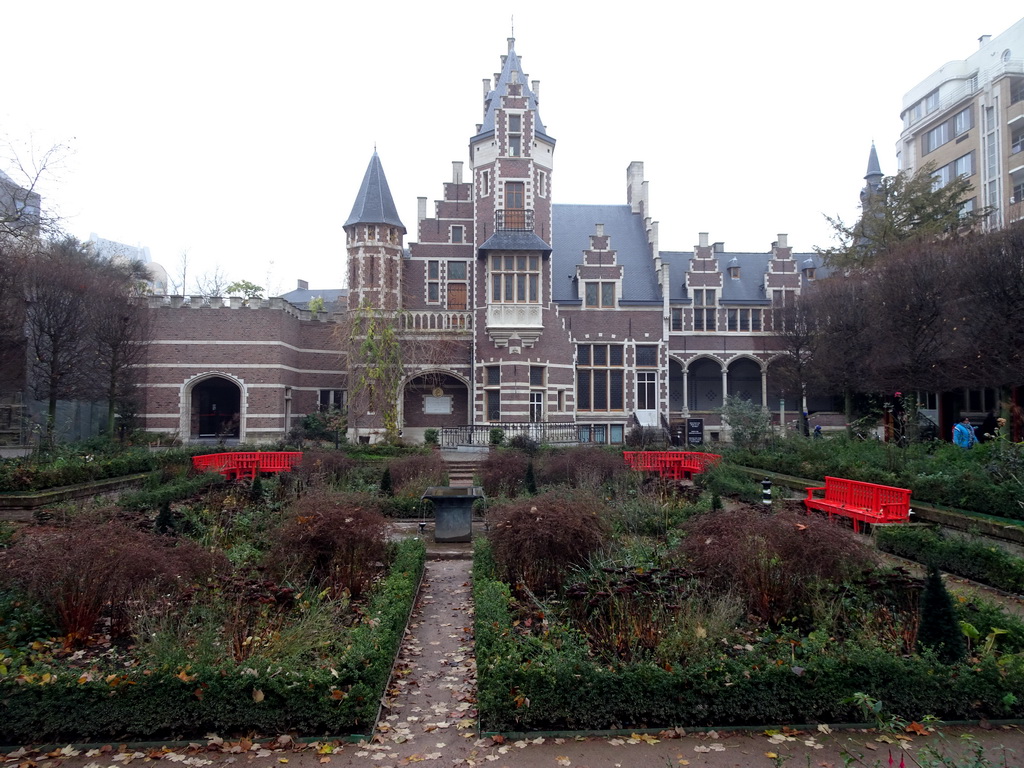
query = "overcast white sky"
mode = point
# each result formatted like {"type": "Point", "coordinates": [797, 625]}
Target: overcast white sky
{"type": "Point", "coordinates": [239, 131]}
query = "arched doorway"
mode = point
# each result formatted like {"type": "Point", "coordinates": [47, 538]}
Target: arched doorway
{"type": "Point", "coordinates": [215, 409]}
{"type": "Point", "coordinates": [433, 399]}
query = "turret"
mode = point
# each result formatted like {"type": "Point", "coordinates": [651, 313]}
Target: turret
{"type": "Point", "coordinates": [373, 239]}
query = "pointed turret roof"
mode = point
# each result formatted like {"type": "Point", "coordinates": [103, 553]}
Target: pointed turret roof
{"type": "Point", "coordinates": [374, 204]}
{"type": "Point", "coordinates": [874, 169]}
{"type": "Point", "coordinates": [511, 73]}
{"type": "Point", "coordinates": [873, 176]}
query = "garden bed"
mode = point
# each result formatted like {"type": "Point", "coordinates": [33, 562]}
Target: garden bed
{"type": "Point", "coordinates": [246, 609]}
{"type": "Point", "coordinates": [747, 631]}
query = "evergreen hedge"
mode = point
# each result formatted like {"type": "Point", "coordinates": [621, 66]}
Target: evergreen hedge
{"type": "Point", "coordinates": [53, 704]}
{"type": "Point", "coordinates": [965, 556]}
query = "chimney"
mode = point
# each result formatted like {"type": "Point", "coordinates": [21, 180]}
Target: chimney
{"type": "Point", "coordinates": [783, 241]}
{"type": "Point", "coordinates": [303, 285]}
{"type": "Point", "coordinates": [702, 241]}
{"type": "Point", "coordinates": [599, 230]}
{"type": "Point", "coordinates": [421, 209]}
{"type": "Point", "coordinates": [487, 87]}
{"type": "Point", "coordinates": [719, 247]}
{"type": "Point", "coordinates": [535, 87]}
{"type": "Point", "coordinates": [456, 172]}
{"type": "Point", "coordinates": [511, 46]}
{"type": "Point", "coordinates": [635, 187]}
{"type": "Point", "coordinates": [983, 39]}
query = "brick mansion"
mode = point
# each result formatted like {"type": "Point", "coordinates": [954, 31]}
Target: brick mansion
{"type": "Point", "coordinates": [521, 312]}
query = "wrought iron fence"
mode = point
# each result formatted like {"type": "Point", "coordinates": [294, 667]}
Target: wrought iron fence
{"type": "Point", "coordinates": [480, 434]}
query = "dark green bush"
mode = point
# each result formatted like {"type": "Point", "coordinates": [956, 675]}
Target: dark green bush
{"type": "Point", "coordinates": [967, 556]}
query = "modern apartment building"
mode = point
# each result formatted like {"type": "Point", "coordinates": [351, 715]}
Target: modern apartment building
{"type": "Point", "coordinates": [967, 118]}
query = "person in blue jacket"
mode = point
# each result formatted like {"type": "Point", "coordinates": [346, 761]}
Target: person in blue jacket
{"type": "Point", "coordinates": [964, 435]}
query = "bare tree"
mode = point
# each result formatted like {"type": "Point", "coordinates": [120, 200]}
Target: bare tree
{"type": "Point", "coordinates": [213, 283]}
{"type": "Point", "coordinates": [119, 325]}
{"type": "Point", "coordinates": [844, 335]}
{"type": "Point", "coordinates": [13, 257]}
{"type": "Point", "coordinates": [795, 326]}
{"type": "Point", "coordinates": [60, 282]}
{"type": "Point", "coordinates": [177, 284]}
{"type": "Point", "coordinates": [21, 211]}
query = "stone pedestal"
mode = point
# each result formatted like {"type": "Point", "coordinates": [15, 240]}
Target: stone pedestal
{"type": "Point", "coordinates": [453, 511]}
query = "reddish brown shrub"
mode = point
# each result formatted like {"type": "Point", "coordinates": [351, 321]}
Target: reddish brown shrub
{"type": "Point", "coordinates": [538, 540]}
{"type": "Point", "coordinates": [323, 467]}
{"type": "Point", "coordinates": [583, 467]}
{"type": "Point", "coordinates": [87, 572]}
{"type": "Point", "coordinates": [421, 470]}
{"type": "Point", "coordinates": [503, 473]}
{"type": "Point", "coordinates": [774, 562]}
{"type": "Point", "coordinates": [339, 540]}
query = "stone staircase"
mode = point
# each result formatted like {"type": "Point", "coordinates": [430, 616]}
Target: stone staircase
{"type": "Point", "coordinates": [461, 470]}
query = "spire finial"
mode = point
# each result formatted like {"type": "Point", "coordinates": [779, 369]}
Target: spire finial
{"type": "Point", "coordinates": [513, 17]}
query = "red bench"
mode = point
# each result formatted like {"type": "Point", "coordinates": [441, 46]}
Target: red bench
{"type": "Point", "coordinates": [671, 465]}
{"type": "Point", "coordinates": [861, 502]}
{"type": "Point", "coordinates": [248, 463]}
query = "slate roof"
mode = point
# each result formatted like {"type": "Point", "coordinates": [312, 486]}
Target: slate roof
{"type": "Point", "coordinates": [747, 288]}
{"type": "Point", "coordinates": [571, 228]}
{"type": "Point", "coordinates": [301, 297]}
{"type": "Point", "coordinates": [374, 204]}
{"type": "Point", "coordinates": [492, 102]}
{"type": "Point", "coordinates": [514, 240]}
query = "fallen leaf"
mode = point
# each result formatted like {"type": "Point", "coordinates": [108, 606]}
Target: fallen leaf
{"type": "Point", "coordinates": [917, 728]}
{"type": "Point", "coordinates": [257, 695]}
{"type": "Point", "coordinates": [563, 760]}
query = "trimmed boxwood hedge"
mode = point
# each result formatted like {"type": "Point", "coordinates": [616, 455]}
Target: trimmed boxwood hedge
{"type": "Point", "coordinates": [162, 704]}
{"type": "Point", "coordinates": [972, 558]}
{"type": "Point", "coordinates": [550, 683]}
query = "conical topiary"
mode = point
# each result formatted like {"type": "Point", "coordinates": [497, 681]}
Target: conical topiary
{"type": "Point", "coordinates": [939, 629]}
{"type": "Point", "coordinates": [531, 480]}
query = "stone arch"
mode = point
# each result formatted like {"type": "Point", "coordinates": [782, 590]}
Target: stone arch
{"type": "Point", "coordinates": [213, 407]}
{"type": "Point", "coordinates": [745, 377]}
{"type": "Point", "coordinates": [437, 398]}
{"type": "Point", "coordinates": [704, 374]}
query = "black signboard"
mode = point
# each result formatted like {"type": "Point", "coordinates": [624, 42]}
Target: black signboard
{"type": "Point", "coordinates": [695, 431]}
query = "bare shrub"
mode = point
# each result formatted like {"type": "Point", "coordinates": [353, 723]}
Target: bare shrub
{"type": "Point", "coordinates": [419, 470]}
{"type": "Point", "coordinates": [337, 540]}
{"type": "Point", "coordinates": [774, 563]}
{"type": "Point", "coordinates": [84, 573]}
{"type": "Point", "coordinates": [539, 540]}
{"type": "Point", "coordinates": [319, 467]}
{"type": "Point", "coordinates": [503, 473]}
{"type": "Point", "coordinates": [626, 611]}
{"type": "Point", "coordinates": [584, 467]}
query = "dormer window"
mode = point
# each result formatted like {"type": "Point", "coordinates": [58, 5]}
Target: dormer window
{"type": "Point", "coordinates": [515, 135]}
{"type": "Point", "coordinates": [734, 269]}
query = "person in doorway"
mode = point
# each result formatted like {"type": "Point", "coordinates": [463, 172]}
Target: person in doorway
{"type": "Point", "coordinates": [988, 429]}
{"type": "Point", "coordinates": [964, 435]}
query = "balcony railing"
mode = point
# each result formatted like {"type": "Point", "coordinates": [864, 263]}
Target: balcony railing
{"type": "Point", "coordinates": [437, 320]}
{"type": "Point", "coordinates": [480, 434]}
{"type": "Point", "coordinates": [513, 220]}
